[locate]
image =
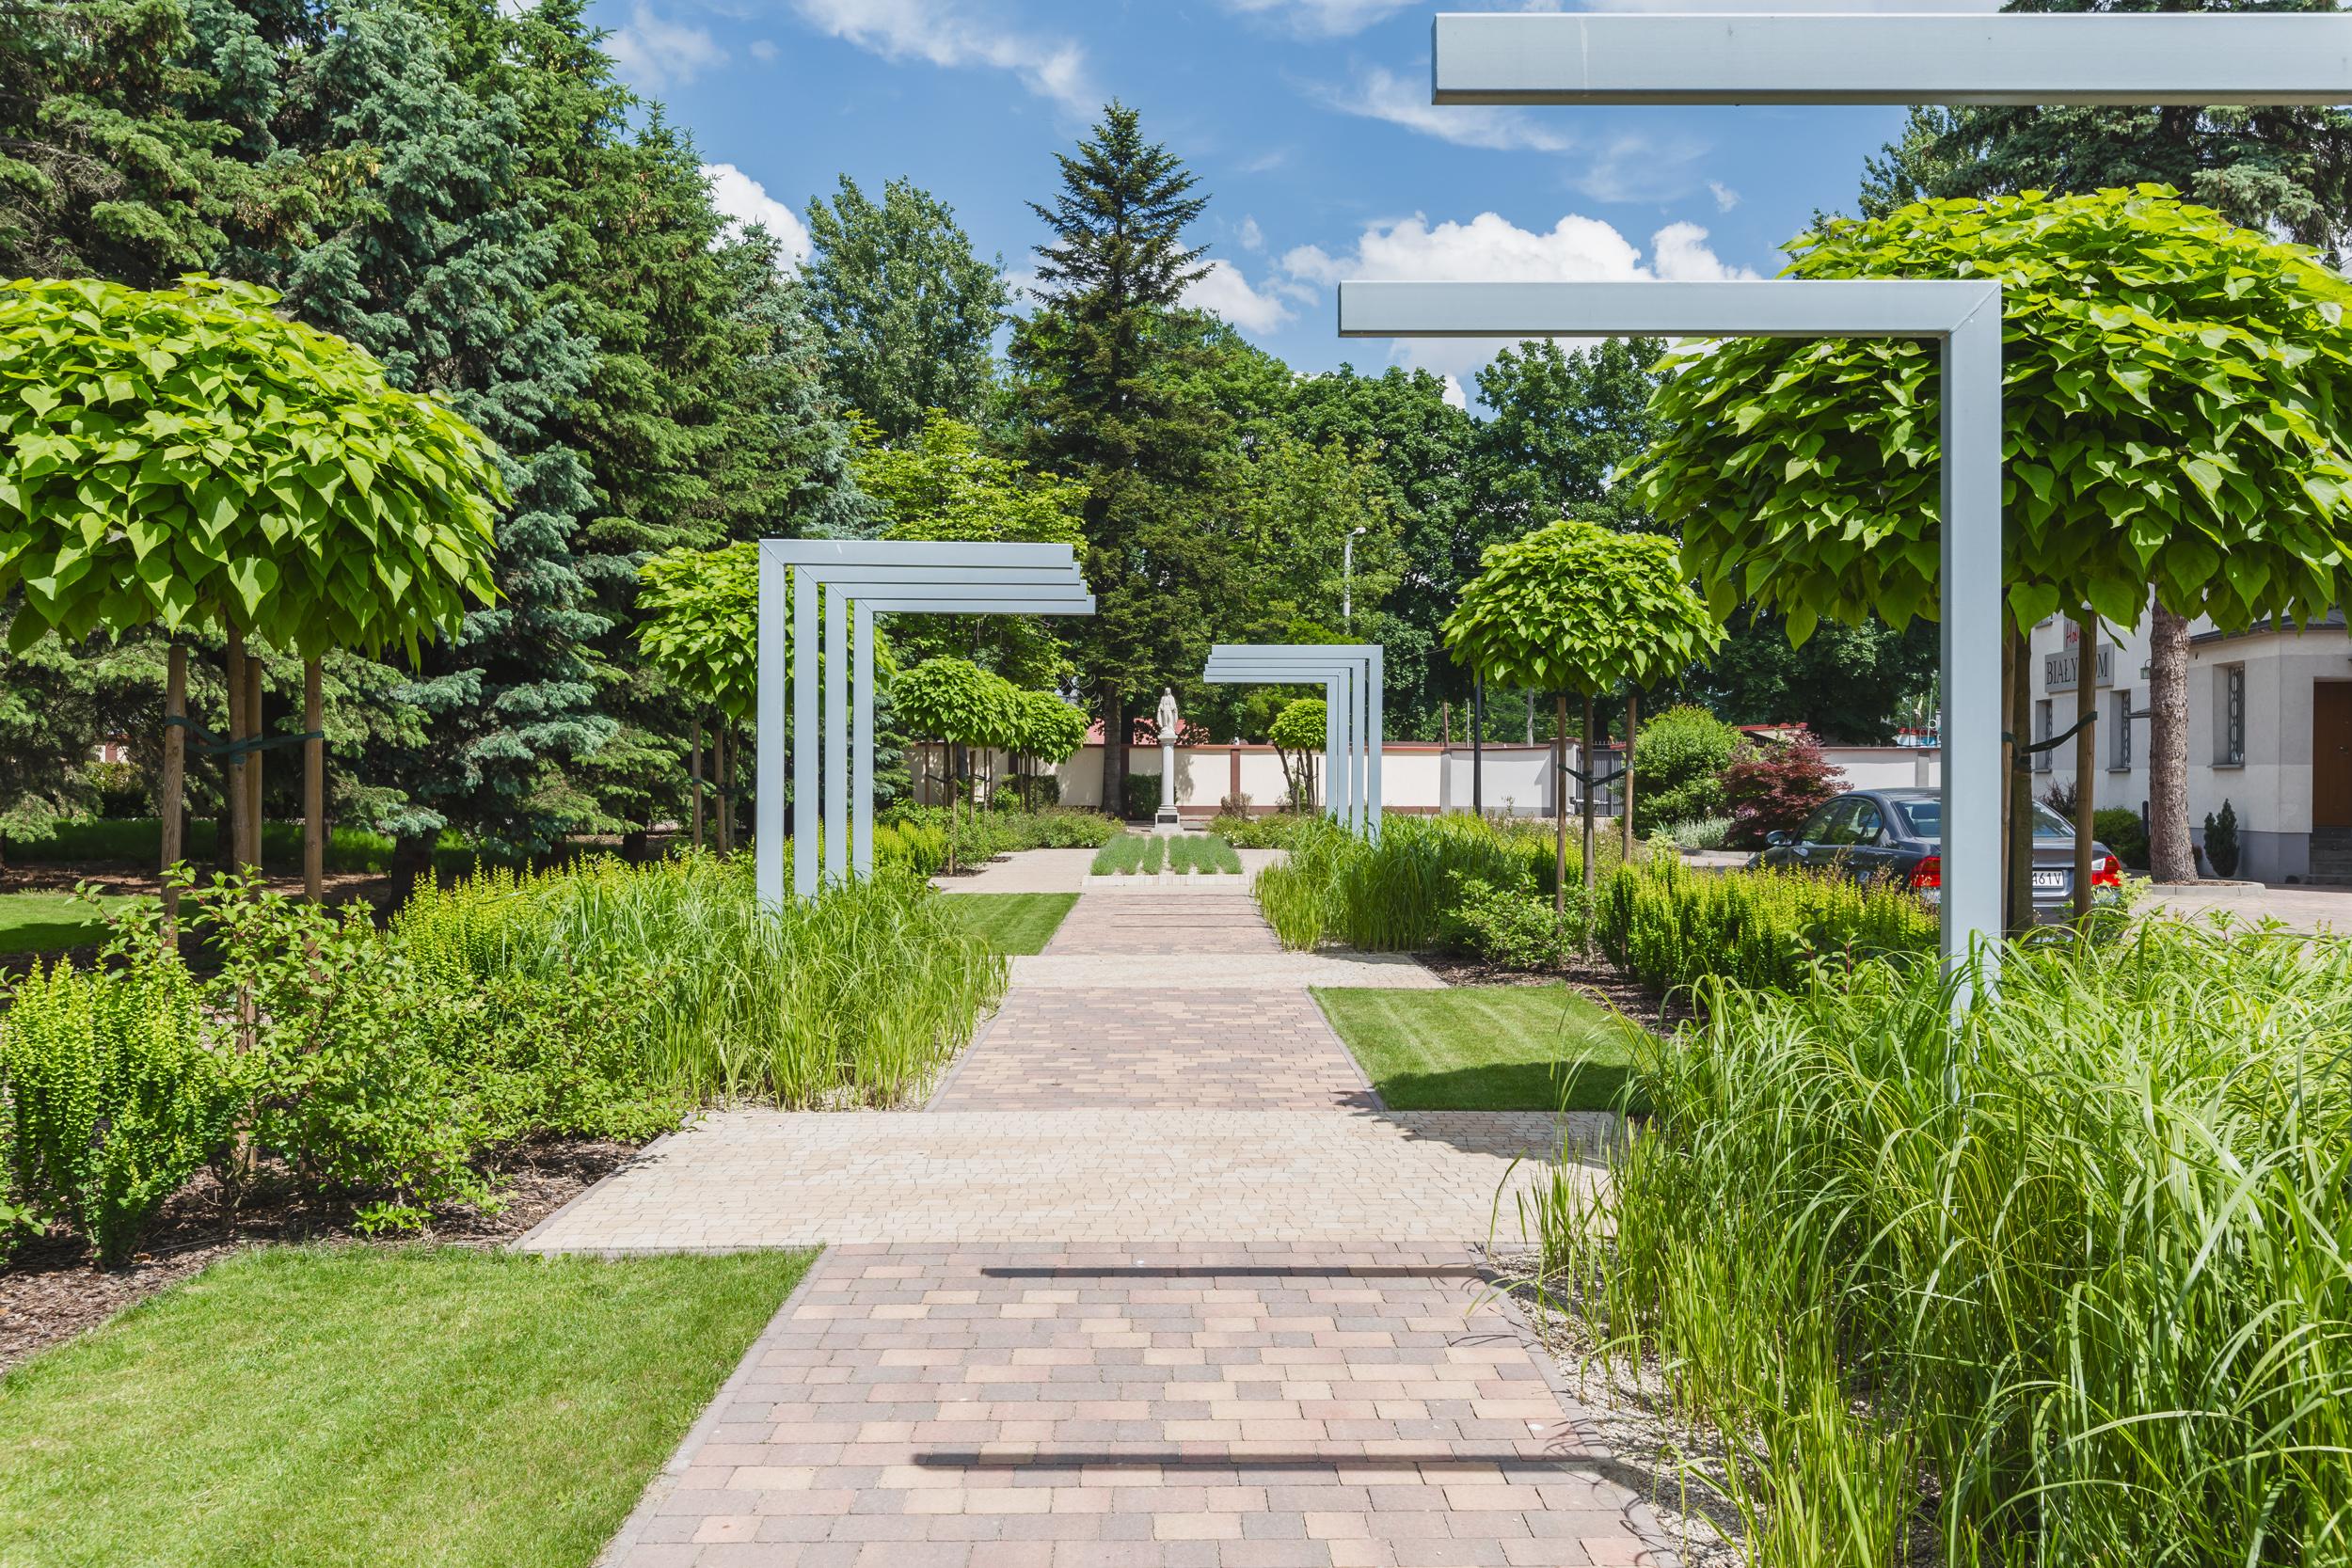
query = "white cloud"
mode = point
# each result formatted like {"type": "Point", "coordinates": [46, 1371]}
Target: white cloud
{"type": "Point", "coordinates": [655, 54]}
{"type": "Point", "coordinates": [1382, 94]}
{"type": "Point", "coordinates": [1252, 237]}
{"type": "Point", "coordinates": [1226, 291]}
{"type": "Point", "coordinates": [1725, 197]}
{"type": "Point", "coordinates": [1778, 6]}
{"type": "Point", "coordinates": [743, 199]}
{"type": "Point", "coordinates": [1324, 18]}
{"type": "Point", "coordinates": [1491, 249]}
{"type": "Point", "coordinates": [1632, 168]}
{"type": "Point", "coordinates": [1454, 394]}
{"type": "Point", "coordinates": [763, 50]}
{"type": "Point", "coordinates": [945, 34]}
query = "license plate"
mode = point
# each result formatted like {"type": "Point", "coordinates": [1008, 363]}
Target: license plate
{"type": "Point", "coordinates": [2050, 881]}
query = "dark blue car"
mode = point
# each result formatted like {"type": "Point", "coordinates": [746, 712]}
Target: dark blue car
{"type": "Point", "coordinates": [1898, 835]}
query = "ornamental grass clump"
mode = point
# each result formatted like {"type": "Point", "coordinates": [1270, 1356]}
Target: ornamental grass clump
{"type": "Point", "coordinates": [1393, 896]}
{"type": "Point", "coordinates": [858, 994]}
{"type": "Point", "coordinates": [2083, 1263]}
{"type": "Point", "coordinates": [1670, 927]}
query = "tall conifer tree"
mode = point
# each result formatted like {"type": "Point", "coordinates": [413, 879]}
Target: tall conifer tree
{"type": "Point", "coordinates": [1109, 407]}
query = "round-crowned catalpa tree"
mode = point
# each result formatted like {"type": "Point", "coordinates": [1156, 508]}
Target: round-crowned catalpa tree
{"type": "Point", "coordinates": [1576, 608]}
{"type": "Point", "coordinates": [188, 458]}
{"type": "Point", "coordinates": [2177, 406]}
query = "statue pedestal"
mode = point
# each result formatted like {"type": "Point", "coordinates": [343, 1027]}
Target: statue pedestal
{"type": "Point", "coordinates": [1165, 820]}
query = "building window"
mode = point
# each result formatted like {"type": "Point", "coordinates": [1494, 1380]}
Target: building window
{"type": "Point", "coordinates": [2041, 720]}
{"type": "Point", "coordinates": [2230, 732]}
{"type": "Point", "coordinates": [2120, 741]}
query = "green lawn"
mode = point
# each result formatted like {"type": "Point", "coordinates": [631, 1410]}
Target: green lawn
{"type": "Point", "coordinates": [1483, 1048]}
{"type": "Point", "coordinates": [319, 1407]}
{"type": "Point", "coordinates": [1012, 923]}
{"type": "Point", "coordinates": [46, 922]}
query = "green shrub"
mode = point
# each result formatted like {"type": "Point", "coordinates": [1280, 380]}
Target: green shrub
{"type": "Point", "coordinates": [2119, 829]}
{"type": "Point", "coordinates": [2221, 845]}
{"type": "Point", "coordinates": [1705, 832]}
{"type": "Point", "coordinates": [1515, 926]}
{"type": "Point", "coordinates": [1668, 926]}
{"type": "Point", "coordinates": [118, 1091]}
{"type": "Point", "coordinates": [1679, 762]}
{"type": "Point", "coordinates": [2080, 1261]}
{"type": "Point", "coordinates": [1276, 831]}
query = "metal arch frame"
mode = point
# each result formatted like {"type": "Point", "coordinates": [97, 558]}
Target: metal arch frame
{"type": "Point", "coordinates": [2172, 57]}
{"type": "Point", "coordinates": [1965, 318]}
{"type": "Point", "coordinates": [1352, 726]}
{"type": "Point", "coordinates": [858, 580]}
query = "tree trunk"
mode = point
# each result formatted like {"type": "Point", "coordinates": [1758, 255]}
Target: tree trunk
{"type": "Point", "coordinates": [314, 785]}
{"type": "Point", "coordinates": [1114, 752]}
{"type": "Point", "coordinates": [694, 774]}
{"type": "Point", "coordinates": [2086, 751]}
{"type": "Point", "coordinates": [718, 762]}
{"type": "Point", "coordinates": [173, 790]}
{"type": "Point", "coordinates": [240, 847]}
{"type": "Point", "coordinates": [1592, 745]}
{"type": "Point", "coordinates": [1559, 806]}
{"type": "Point", "coordinates": [254, 722]}
{"type": "Point", "coordinates": [1625, 781]}
{"type": "Point", "coordinates": [1478, 748]}
{"type": "Point", "coordinates": [2020, 863]}
{"type": "Point", "coordinates": [2171, 857]}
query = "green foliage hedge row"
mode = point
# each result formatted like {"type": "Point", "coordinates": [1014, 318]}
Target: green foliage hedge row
{"type": "Point", "coordinates": [921, 833]}
{"type": "Point", "coordinates": [2080, 1263]}
{"type": "Point", "coordinates": [603, 999]}
{"type": "Point", "coordinates": [1668, 926]}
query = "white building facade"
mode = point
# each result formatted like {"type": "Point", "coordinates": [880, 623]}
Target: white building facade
{"type": "Point", "coordinates": [2269, 731]}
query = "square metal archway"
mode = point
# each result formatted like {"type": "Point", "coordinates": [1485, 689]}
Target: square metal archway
{"type": "Point", "coordinates": [1963, 317]}
{"type": "Point", "coordinates": [1351, 675]}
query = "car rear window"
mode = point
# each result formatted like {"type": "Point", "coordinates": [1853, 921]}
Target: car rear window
{"type": "Point", "coordinates": [1926, 818]}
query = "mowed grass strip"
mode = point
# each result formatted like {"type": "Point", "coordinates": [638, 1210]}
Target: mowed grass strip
{"type": "Point", "coordinates": [1483, 1047]}
{"type": "Point", "coordinates": [51, 922]}
{"type": "Point", "coordinates": [1014, 924]}
{"type": "Point", "coordinates": [321, 1407]}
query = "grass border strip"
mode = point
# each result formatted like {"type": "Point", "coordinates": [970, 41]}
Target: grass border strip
{"type": "Point", "coordinates": [662, 1482]}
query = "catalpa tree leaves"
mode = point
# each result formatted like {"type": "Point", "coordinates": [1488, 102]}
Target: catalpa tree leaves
{"type": "Point", "coordinates": [187, 457]}
{"type": "Point", "coordinates": [2177, 404]}
{"type": "Point", "coordinates": [1581, 608]}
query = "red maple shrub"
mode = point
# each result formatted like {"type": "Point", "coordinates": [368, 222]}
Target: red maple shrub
{"type": "Point", "coordinates": [1775, 784]}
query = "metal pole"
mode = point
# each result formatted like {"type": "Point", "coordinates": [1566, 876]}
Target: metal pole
{"type": "Point", "coordinates": [1478, 746]}
{"type": "Point", "coordinates": [1972, 603]}
{"type": "Point", "coordinates": [770, 717]}
{"type": "Point", "coordinates": [1375, 680]}
{"type": "Point", "coordinates": [862, 763]}
{"type": "Point", "coordinates": [837, 828]}
{"type": "Point", "coordinates": [1330, 752]}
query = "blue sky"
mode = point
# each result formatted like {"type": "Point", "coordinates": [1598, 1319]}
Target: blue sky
{"type": "Point", "coordinates": [1307, 121]}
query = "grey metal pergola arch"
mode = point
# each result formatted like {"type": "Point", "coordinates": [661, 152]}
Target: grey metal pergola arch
{"type": "Point", "coordinates": [1651, 59]}
{"type": "Point", "coordinates": [831, 750]}
{"type": "Point", "coordinates": [1351, 674]}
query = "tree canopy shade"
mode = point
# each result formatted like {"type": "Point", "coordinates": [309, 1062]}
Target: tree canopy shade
{"type": "Point", "coordinates": [185, 457]}
{"type": "Point", "coordinates": [2177, 396]}
{"type": "Point", "coordinates": [1579, 608]}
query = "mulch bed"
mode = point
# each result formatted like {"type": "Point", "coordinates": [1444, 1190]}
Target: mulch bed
{"type": "Point", "coordinates": [53, 1289]}
{"type": "Point", "coordinates": [1660, 1015]}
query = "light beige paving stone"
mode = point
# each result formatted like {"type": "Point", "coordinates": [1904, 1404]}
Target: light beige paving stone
{"type": "Point", "coordinates": [1224, 971]}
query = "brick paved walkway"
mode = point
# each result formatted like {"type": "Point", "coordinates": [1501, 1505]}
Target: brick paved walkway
{"type": "Point", "coordinates": [1153, 1282]}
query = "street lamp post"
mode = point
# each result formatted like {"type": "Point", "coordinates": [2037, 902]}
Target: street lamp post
{"type": "Point", "coordinates": [1348, 578]}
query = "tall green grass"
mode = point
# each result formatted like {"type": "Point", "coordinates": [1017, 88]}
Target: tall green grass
{"type": "Point", "coordinates": [1393, 896]}
{"type": "Point", "coordinates": [861, 994]}
{"type": "Point", "coordinates": [1670, 927]}
{"type": "Point", "coordinates": [1203, 853]}
{"type": "Point", "coordinates": [2085, 1261]}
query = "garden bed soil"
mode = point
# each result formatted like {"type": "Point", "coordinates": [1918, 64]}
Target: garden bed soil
{"type": "Point", "coordinates": [53, 1289]}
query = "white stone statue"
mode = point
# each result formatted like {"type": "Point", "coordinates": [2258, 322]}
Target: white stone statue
{"type": "Point", "coordinates": [1167, 815]}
